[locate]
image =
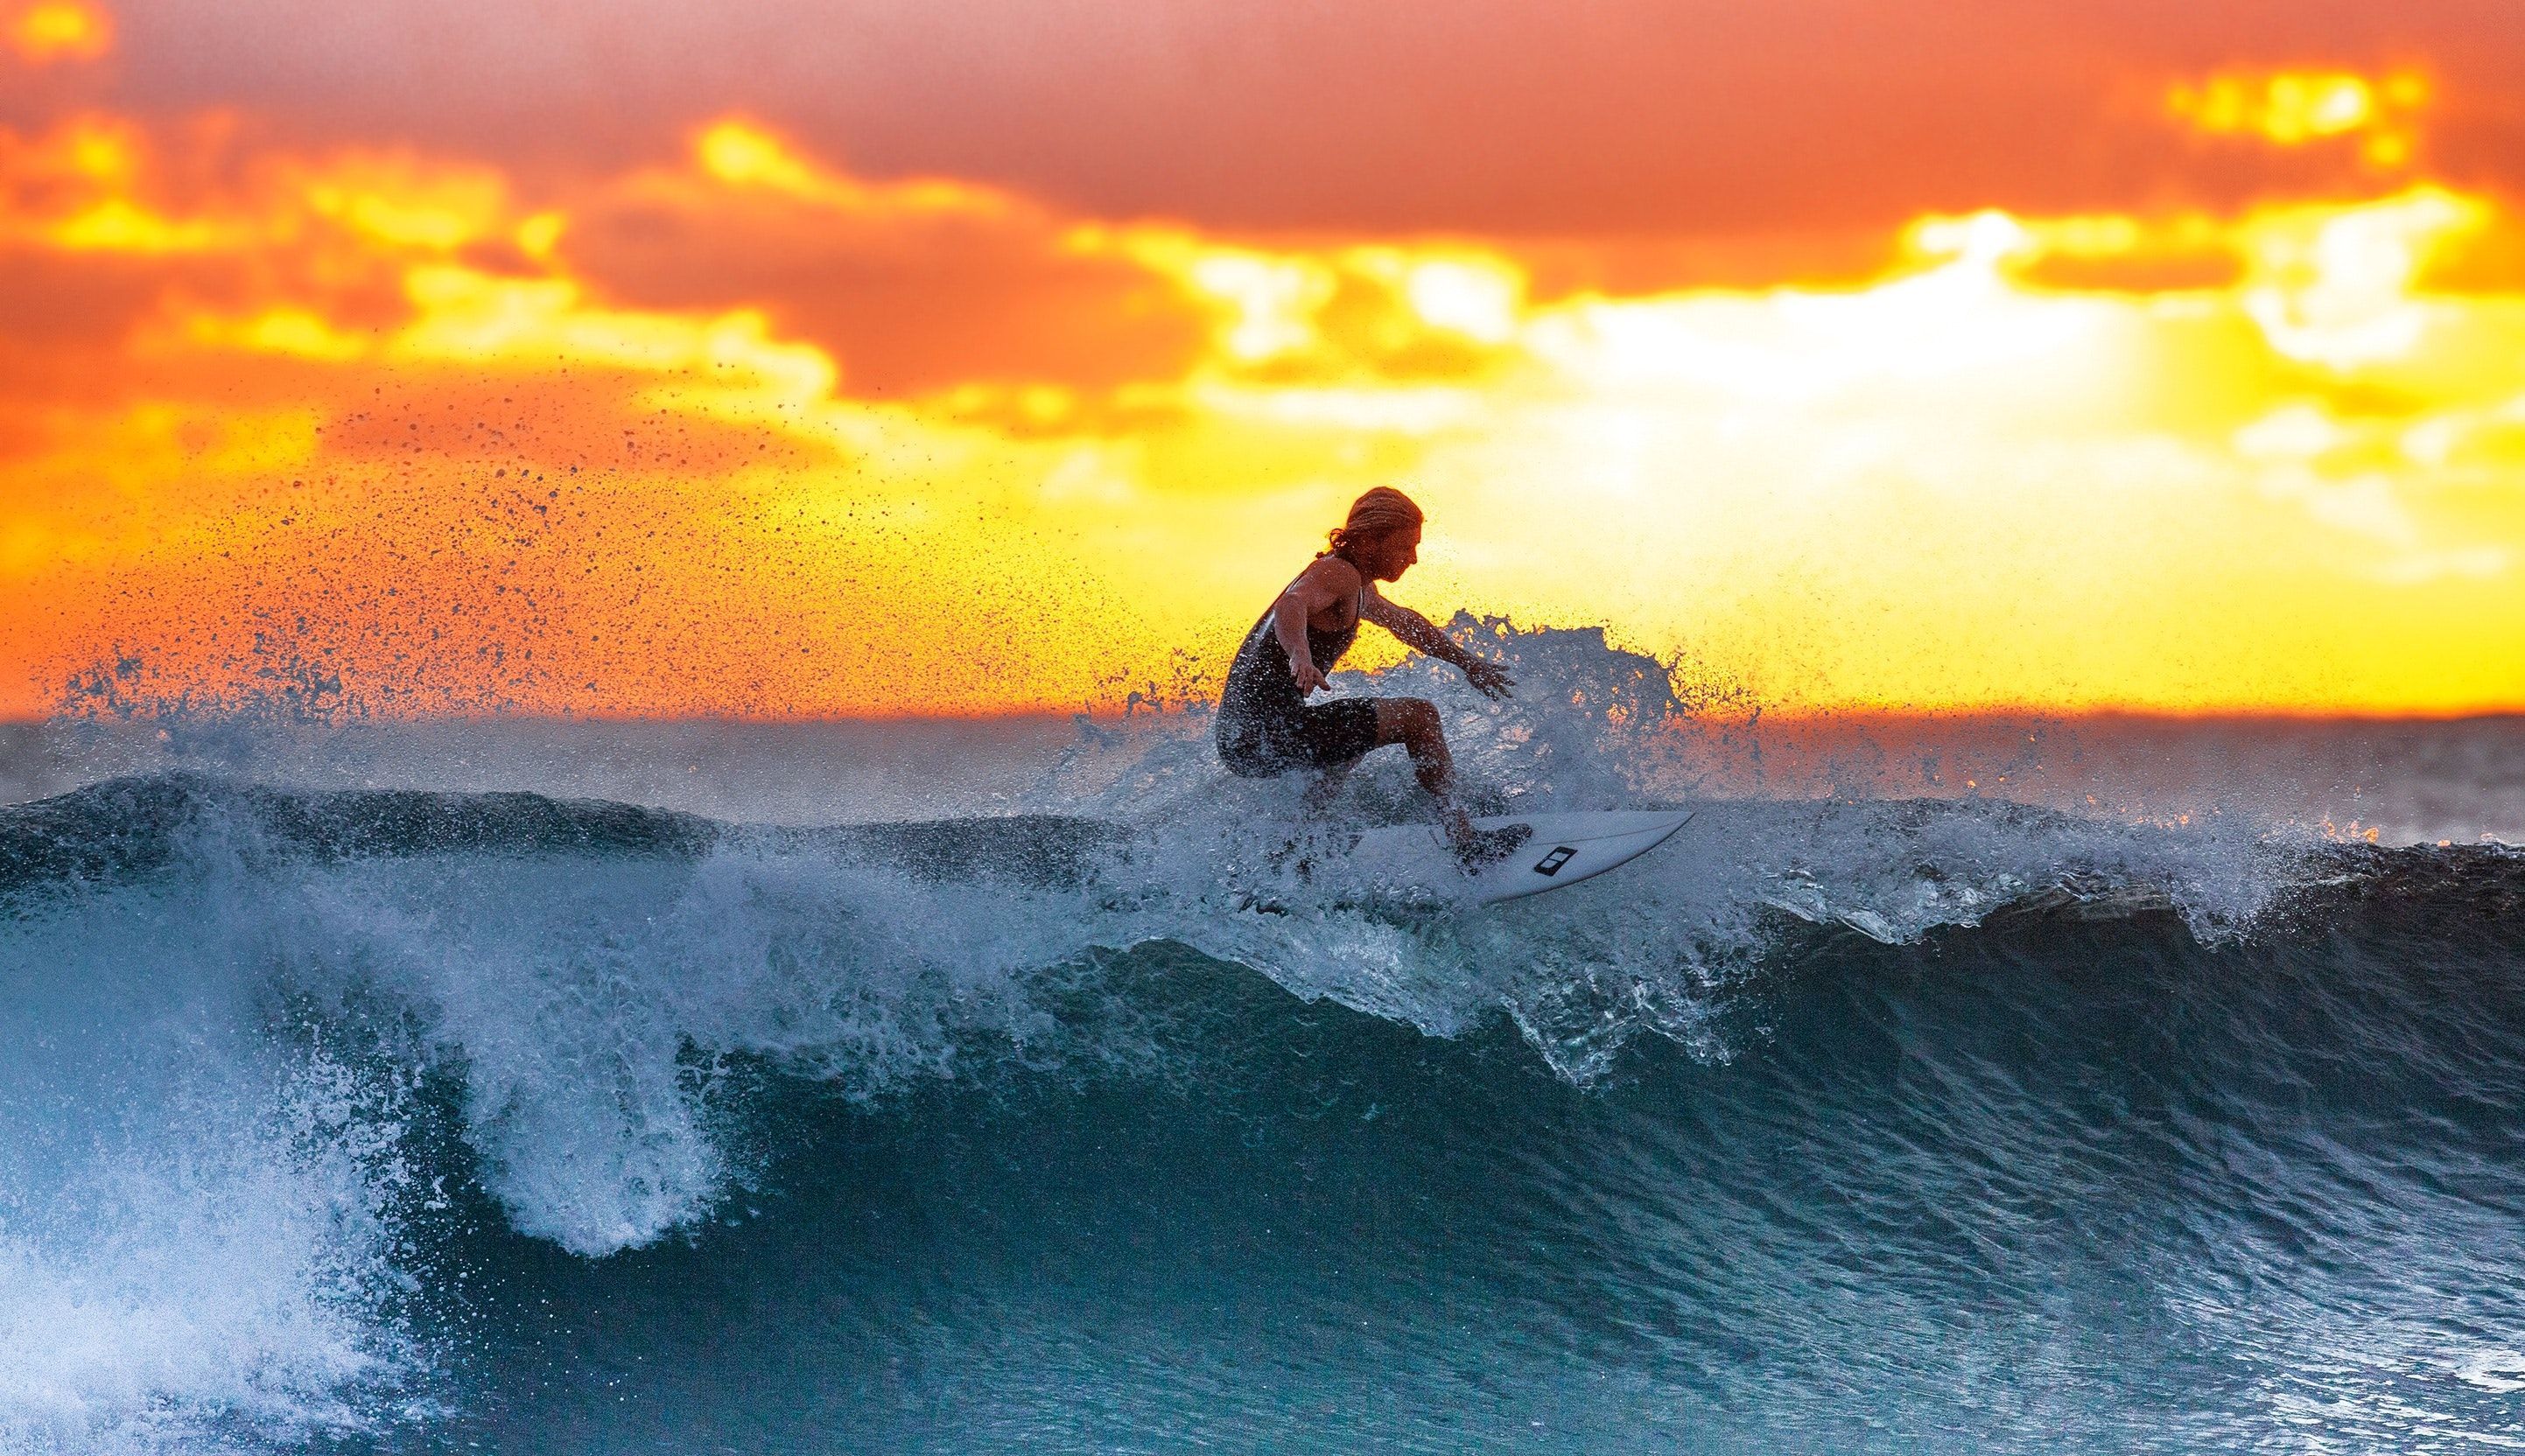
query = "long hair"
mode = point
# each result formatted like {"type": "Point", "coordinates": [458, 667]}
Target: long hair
{"type": "Point", "coordinates": [1381, 509]}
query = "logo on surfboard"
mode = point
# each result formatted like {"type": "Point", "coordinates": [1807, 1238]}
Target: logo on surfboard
{"type": "Point", "coordinates": [1550, 864]}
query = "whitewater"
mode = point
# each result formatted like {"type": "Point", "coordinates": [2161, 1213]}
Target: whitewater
{"type": "Point", "coordinates": [550, 1087]}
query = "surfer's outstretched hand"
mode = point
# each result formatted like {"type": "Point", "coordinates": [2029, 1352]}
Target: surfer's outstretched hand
{"type": "Point", "coordinates": [1489, 679]}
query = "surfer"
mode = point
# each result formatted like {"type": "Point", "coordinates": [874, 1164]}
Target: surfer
{"type": "Point", "coordinates": [1266, 725]}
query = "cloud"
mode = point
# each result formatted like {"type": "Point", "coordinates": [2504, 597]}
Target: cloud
{"type": "Point", "coordinates": [447, 429]}
{"type": "Point", "coordinates": [914, 286]}
{"type": "Point", "coordinates": [2295, 108]}
{"type": "Point", "coordinates": [46, 32]}
{"type": "Point", "coordinates": [1698, 120]}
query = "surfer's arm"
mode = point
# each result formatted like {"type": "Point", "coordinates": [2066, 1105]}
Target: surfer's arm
{"type": "Point", "coordinates": [1419, 634]}
{"type": "Point", "coordinates": [1315, 589]}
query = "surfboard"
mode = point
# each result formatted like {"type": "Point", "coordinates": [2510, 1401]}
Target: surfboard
{"type": "Point", "coordinates": [1563, 849]}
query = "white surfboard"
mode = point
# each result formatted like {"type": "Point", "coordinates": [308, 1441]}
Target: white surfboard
{"type": "Point", "coordinates": [1563, 849]}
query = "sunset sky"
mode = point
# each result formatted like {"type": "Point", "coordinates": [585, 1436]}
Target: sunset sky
{"type": "Point", "coordinates": [770, 359]}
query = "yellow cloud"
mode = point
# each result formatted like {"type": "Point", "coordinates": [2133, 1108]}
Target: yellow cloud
{"type": "Point", "coordinates": [544, 323]}
{"type": "Point", "coordinates": [408, 208]}
{"type": "Point", "coordinates": [75, 189]}
{"type": "Point", "coordinates": [744, 155]}
{"type": "Point", "coordinates": [297, 331]}
{"type": "Point", "coordinates": [51, 30]}
{"type": "Point", "coordinates": [2333, 285]}
{"type": "Point", "coordinates": [2295, 108]}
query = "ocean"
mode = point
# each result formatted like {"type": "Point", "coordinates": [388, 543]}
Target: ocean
{"type": "Point", "coordinates": [1985, 1084]}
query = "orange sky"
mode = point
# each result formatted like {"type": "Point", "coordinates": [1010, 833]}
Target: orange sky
{"type": "Point", "coordinates": [754, 359]}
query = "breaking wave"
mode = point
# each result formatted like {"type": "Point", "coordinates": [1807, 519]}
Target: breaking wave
{"type": "Point", "coordinates": [298, 1077]}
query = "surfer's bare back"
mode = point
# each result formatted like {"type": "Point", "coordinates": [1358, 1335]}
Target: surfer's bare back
{"type": "Point", "coordinates": [1266, 725]}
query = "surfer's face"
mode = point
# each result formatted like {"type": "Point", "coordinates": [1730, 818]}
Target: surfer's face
{"type": "Point", "coordinates": [1391, 554]}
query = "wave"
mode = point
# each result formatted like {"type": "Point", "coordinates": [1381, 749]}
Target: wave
{"type": "Point", "coordinates": [283, 1063]}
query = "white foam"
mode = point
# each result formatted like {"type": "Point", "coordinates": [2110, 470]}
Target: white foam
{"type": "Point", "coordinates": [190, 1238]}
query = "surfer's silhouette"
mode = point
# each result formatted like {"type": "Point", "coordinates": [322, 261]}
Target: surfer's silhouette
{"type": "Point", "coordinates": [1266, 725]}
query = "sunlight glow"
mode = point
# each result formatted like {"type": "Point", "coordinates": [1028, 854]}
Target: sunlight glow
{"type": "Point", "coordinates": [2333, 285]}
{"type": "Point", "coordinates": [1475, 297]}
{"type": "Point", "coordinates": [1271, 299]}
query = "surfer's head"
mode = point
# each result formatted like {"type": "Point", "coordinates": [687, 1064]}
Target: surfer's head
{"type": "Point", "coordinates": [1382, 536]}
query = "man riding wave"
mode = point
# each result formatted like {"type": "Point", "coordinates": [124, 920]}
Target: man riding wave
{"type": "Point", "coordinates": [1266, 725]}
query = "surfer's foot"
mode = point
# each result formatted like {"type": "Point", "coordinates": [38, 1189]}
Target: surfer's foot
{"type": "Point", "coordinates": [1481, 849]}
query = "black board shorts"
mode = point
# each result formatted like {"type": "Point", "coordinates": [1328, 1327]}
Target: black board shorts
{"type": "Point", "coordinates": [1262, 744]}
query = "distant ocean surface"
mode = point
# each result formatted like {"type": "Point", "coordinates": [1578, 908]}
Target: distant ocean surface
{"type": "Point", "coordinates": [1965, 1085]}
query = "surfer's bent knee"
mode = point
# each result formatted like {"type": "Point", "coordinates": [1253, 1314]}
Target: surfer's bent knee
{"type": "Point", "coordinates": [1407, 720]}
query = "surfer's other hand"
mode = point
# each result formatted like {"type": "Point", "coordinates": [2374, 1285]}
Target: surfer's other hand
{"type": "Point", "coordinates": [1489, 678]}
{"type": "Point", "coordinates": [1310, 678]}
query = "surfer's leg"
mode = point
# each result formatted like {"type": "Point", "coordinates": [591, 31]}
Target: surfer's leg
{"type": "Point", "coordinates": [1413, 723]}
{"type": "Point", "coordinates": [1327, 787]}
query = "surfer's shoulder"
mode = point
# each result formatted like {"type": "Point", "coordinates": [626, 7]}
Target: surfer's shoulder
{"type": "Point", "coordinates": [1332, 571]}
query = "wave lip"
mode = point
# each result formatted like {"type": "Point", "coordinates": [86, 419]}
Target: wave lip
{"type": "Point", "coordinates": [130, 826]}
